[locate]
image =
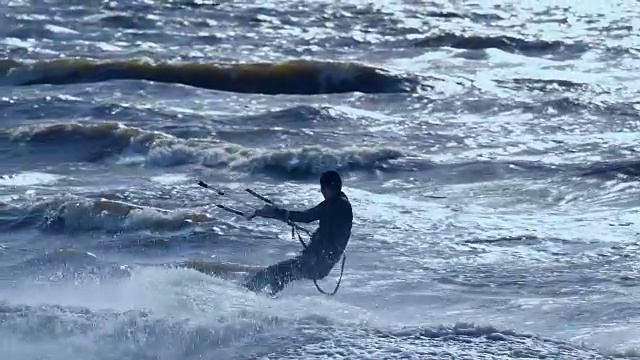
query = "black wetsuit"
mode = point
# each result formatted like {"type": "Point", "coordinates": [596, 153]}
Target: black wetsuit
{"type": "Point", "coordinates": [327, 244]}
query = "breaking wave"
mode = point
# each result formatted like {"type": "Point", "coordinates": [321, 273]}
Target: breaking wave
{"type": "Point", "coordinates": [71, 213]}
{"type": "Point", "coordinates": [98, 141]}
{"type": "Point", "coordinates": [92, 142]}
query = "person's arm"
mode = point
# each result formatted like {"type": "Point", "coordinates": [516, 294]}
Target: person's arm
{"type": "Point", "coordinates": [305, 216]}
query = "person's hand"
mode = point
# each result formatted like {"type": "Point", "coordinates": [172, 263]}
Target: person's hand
{"type": "Point", "coordinates": [268, 211]}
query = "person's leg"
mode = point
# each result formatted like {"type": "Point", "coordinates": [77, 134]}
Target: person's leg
{"type": "Point", "coordinates": [322, 268]}
{"type": "Point", "coordinates": [316, 267]}
{"type": "Point", "coordinates": [276, 276]}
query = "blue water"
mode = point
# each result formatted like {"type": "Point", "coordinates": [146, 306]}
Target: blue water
{"type": "Point", "coordinates": [489, 150]}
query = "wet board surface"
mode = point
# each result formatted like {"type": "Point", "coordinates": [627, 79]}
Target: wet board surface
{"type": "Point", "coordinates": [225, 270]}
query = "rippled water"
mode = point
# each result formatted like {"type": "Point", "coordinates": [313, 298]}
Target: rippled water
{"type": "Point", "coordinates": [489, 149]}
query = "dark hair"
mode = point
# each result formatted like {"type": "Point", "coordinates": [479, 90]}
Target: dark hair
{"type": "Point", "coordinates": [331, 180]}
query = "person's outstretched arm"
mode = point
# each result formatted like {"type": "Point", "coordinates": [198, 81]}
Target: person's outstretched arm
{"type": "Point", "coordinates": [305, 216]}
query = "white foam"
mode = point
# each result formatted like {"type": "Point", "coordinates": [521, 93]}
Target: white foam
{"type": "Point", "coordinates": [169, 179]}
{"type": "Point", "coordinates": [29, 179]}
{"type": "Point", "coordinates": [175, 313]}
{"type": "Point", "coordinates": [60, 30]}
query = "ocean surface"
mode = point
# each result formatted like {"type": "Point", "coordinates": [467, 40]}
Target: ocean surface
{"type": "Point", "coordinates": [489, 148]}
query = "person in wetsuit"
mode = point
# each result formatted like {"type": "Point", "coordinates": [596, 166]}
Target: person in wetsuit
{"type": "Point", "coordinates": [327, 244]}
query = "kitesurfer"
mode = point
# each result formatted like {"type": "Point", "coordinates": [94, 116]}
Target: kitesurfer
{"type": "Point", "coordinates": [327, 243]}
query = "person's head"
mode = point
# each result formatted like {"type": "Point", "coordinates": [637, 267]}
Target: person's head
{"type": "Point", "coordinates": [330, 184]}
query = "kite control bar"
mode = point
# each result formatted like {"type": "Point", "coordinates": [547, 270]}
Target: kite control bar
{"type": "Point", "coordinates": [243, 214]}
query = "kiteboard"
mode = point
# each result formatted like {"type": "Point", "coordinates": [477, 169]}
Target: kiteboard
{"type": "Point", "coordinates": [234, 272]}
{"type": "Point", "coordinates": [220, 269]}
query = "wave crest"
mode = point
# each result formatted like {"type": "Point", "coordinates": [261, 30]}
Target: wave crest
{"type": "Point", "coordinates": [292, 77]}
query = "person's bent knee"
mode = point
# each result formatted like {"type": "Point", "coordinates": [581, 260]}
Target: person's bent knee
{"type": "Point", "coordinates": [323, 273]}
{"type": "Point", "coordinates": [320, 270]}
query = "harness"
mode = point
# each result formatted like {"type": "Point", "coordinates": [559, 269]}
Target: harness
{"type": "Point", "coordinates": [295, 229]}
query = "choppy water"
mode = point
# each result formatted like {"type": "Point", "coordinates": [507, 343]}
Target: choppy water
{"type": "Point", "coordinates": [523, 115]}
